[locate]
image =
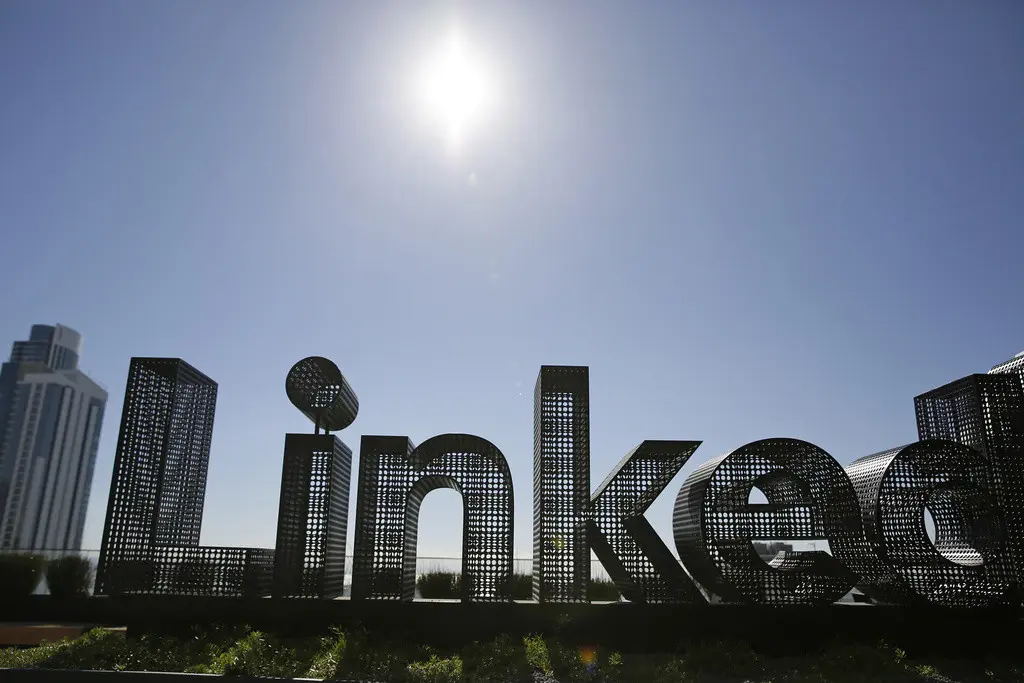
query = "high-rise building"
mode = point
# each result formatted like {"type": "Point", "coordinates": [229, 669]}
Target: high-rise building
{"type": "Point", "coordinates": [50, 419]}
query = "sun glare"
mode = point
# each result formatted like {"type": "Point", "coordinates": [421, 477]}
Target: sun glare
{"type": "Point", "coordinates": [456, 89]}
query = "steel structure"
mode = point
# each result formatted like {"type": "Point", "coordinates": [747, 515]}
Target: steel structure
{"type": "Point", "coordinates": [561, 483]}
{"type": "Point", "coordinates": [809, 497]}
{"type": "Point", "coordinates": [637, 560]}
{"type": "Point", "coordinates": [394, 477]}
{"type": "Point", "coordinates": [312, 520]}
{"type": "Point", "coordinates": [985, 412]}
{"type": "Point", "coordinates": [318, 389]}
{"type": "Point", "coordinates": [159, 480]}
{"type": "Point", "coordinates": [212, 571]}
{"type": "Point", "coordinates": [967, 565]}
{"type": "Point", "coordinates": [155, 509]}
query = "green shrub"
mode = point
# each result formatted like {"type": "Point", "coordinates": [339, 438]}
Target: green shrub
{"type": "Point", "coordinates": [329, 657]}
{"type": "Point", "coordinates": [96, 649]}
{"type": "Point", "coordinates": [735, 659]}
{"type": "Point", "coordinates": [518, 587]}
{"type": "Point", "coordinates": [436, 670]}
{"type": "Point", "coordinates": [352, 655]}
{"type": "Point", "coordinates": [670, 672]}
{"type": "Point", "coordinates": [440, 585]}
{"type": "Point", "coordinates": [110, 650]}
{"type": "Point", "coordinates": [26, 658]}
{"type": "Point", "coordinates": [567, 664]}
{"type": "Point", "coordinates": [612, 667]}
{"type": "Point", "coordinates": [602, 590]}
{"type": "Point", "coordinates": [849, 662]}
{"type": "Point", "coordinates": [259, 654]}
{"type": "Point", "coordinates": [19, 574]}
{"type": "Point", "coordinates": [537, 653]}
{"type": "Point", "coordinates": [69, 576]}
{"type": "Point", "coordinates": [502, 659]}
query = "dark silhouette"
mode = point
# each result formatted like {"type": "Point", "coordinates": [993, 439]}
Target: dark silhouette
{"type": "Point", "coordinates": [967, 471]}
{"type": "Point", "coordinates": [636, 558]}
{"type": "Point", "coordinates": [809, 497]}
{"type": "Point", "coordinates": [986, 412]}
{"type": "Point", "coordinates": [393, 479]}
{"type": "Point", "coordinates": [155, 511]}
{"type": "Point", "coordinates": [968, 565]}
{"type": "Point", "coordinates": [561, 483]}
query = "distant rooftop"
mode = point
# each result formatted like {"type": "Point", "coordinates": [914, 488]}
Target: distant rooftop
{"type": "Point", "coordinates": [1015, 364]}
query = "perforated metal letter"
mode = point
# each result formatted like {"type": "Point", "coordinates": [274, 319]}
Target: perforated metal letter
{"type": "Point", "coordinates": [312, 519]}
{"type": "Point", "coordinates": [394, 477]}
{"type": "Point", "coordinates": [968, 565]}
{"type": "Point", "coordinates": [638, 561]}
{"type": "Point", "coordinates": [568, 522]}
{"type": "Point", "coordinates": [985, 412]}
{"type": "Point", "coordinates": [561, 484]}
{"type": "Point", "coordinates": [809, 497]}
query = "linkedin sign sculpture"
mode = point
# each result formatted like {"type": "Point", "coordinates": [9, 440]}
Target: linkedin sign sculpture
{"type": "Point", "coordinates": [964, 472]}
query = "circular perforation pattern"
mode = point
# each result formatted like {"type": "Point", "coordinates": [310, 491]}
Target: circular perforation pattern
{"type": "Point", "coordinates": [393, 483]}
{"type": "Point", "coordinates": [967, 565]}
{"type": "Point", "coordinates": [809, 497]}
{"type": "Point", "coordinates": [317, 388]}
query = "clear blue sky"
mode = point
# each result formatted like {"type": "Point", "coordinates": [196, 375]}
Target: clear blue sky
{"type": "Point", "coordinates": [749, 219]}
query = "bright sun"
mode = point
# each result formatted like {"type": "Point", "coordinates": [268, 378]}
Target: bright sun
{"type": "Point", "coordinates": [456, 89]}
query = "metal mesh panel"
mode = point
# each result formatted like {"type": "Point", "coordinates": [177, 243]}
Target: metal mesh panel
{"type": "Point", "coordinates": [312, 522]}
{"type": "Point", "coordinates": [985, 412]}
{"type": "Point", "coordinates": [968, 565]}
{"type": "Point", "coordinates": [186, 461]}
{"type": "Point", "coordinates": [393, 479]}
{"type": "Point", "coordinates": [1014, 365]}
{"type": "Point", "coordinates": [635, 557]}
{"type": "Point", "coordinates": [159, 479]}
{"type": "Point", "coordinates": [318, 389]}
{"type": "Point", "coordinates": [212, 571]}
{"type": "Point", "coordinates": [155, 509]}
{"type": "Point", "coordinates": [809, 497]}
{"type": "Point", "coordinates": [561, 484]}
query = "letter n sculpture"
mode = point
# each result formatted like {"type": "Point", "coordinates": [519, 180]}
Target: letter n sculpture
{"type": "Point", "coordinates": [394, 477]}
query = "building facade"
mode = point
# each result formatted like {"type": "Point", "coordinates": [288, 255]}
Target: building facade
{"type": "Point", "coordinates": [51, 414]}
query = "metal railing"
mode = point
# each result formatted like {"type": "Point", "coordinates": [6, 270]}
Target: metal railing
{"type": "Point", "coordinates": [424, 565]}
